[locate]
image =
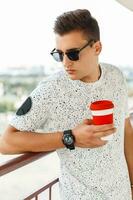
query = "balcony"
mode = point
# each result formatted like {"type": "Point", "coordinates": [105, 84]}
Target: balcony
{"type": "Point", "coordinates": [32, 181]}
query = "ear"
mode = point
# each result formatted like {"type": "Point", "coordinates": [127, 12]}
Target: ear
{"type": "Point", "coordinates": [98, 47]}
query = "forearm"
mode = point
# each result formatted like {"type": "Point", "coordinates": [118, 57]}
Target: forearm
{"type": "Point", "coordinates": [86, 136]}
{"type": "Point", "coordinates": [20, 142]}
{"type": "Point", "coordinates": [129, 153]}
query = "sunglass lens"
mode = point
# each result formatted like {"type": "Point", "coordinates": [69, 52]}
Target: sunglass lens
{"type": "Point", "coordinates": [73, 55]}
{"type": "Point", "coordinates": [58, 56]}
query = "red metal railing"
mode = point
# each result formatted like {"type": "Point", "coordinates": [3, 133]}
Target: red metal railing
{"type": "Point", "coordinates": [48, 186]}
{"type": "Point", "coordinates": [23, 160]}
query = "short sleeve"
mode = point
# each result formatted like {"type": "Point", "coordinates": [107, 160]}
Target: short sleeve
{"type": "Point", "coordinates": [34, 111]}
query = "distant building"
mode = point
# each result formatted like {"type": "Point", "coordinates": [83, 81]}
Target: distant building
{"type": "Point", "coordinates": [1, 89]}
{"type": "Point", "coordinates": [23, 71]}
{"type": "Point", "coordinates": [128, 72]}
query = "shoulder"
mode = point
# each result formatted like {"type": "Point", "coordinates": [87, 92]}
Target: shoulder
{"type": "Point", "coordinates": [113, 71]}
{"type": "Point", "coordinates": [54, 79]}
{"type": "Point", "coordinates": [50, 84]}
{"type": "Point", "coordinates": [111, 68]}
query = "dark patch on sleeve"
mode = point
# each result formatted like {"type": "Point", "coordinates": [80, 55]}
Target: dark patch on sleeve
{"type": "Point", "coordinates": [25, 107]}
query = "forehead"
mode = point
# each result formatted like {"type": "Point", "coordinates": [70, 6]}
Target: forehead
{"type": "Point", "coordinates": [74, 39]}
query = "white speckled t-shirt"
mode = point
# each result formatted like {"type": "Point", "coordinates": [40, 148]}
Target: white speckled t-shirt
{"type": "Point", "coordinates": [58, 104]}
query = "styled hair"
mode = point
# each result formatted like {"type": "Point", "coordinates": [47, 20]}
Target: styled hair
{"type": "Point", "coordinates": [77, 20]}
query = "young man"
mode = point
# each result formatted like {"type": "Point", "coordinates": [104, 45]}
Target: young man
{"type": "Point", "coordinates": [91, 168]}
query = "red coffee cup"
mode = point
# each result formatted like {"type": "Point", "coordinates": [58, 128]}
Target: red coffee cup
{"type": "Point", "coordinates": [102, 113]}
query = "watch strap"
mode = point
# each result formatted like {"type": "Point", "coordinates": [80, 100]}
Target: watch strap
{"type": "Point", "coordinates": [69, 133]}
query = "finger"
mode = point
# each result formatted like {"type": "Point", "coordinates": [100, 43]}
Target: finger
{"type": "Point", "coordinates": [101, 145]}
{"type": "Point", "coordinates": [87, 121]}
{"type": "Point", "coordinates": [98, 128]}
{"type": "Point", "coordinates": [105, 133]}
{"type": "Point", "coordinates": [98, 142]}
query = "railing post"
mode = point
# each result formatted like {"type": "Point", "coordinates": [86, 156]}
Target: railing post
{"type": "Point", "coordinates": [36, 197]}
{"type": "Point", "coordinates": [50, 193]}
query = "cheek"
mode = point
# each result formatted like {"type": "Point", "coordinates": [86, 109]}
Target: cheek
{"type": "Point", "coordinates": [86, 61]}
{"type": "Point", "coordinates": [86, 57]}
{"type": "Point", "coordinates": [86, 64]}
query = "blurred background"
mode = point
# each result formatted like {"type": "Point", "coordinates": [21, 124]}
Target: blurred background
{"type": "Point", "coordinates": [26, 39]}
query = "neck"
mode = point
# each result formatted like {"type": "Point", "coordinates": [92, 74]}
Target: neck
{"type": "Point", "coordinates": [93, 77]}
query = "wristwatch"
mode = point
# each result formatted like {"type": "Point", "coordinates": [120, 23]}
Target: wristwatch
{"type": "Point", "coordinates": [68, 139]}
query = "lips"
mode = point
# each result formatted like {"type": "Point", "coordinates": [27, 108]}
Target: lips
{"type": "Point", "coordinates": [70, 71]}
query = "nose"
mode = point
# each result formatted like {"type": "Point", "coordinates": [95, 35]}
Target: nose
{"type": "Point", "coordinates": [66, 61]}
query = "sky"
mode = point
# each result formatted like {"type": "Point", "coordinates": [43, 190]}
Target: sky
{"type": "Point", "coordinates": [26, 30]}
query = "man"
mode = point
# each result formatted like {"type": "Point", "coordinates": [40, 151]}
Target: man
{"type": "Point", "coordinates": [91, 168]}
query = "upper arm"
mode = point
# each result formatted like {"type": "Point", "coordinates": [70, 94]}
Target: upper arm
{"type": "Point", "coordinates": [33, 113]}
{"type": "Point", "coordinates": [9, 130]}
{"type": "Point", "coordinates": [128, 127]}
{"type": "Point", "coordinates": [5, 146]}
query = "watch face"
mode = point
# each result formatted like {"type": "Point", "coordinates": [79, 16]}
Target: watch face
{"type": "Point", "coordinates": [68, 139]}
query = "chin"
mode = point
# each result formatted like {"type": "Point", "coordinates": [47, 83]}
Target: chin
{"type": "Point", "coordinates": [73, 77]}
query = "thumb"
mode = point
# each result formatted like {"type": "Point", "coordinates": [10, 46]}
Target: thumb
{"type": "Point", "coordinates": [87, 121]}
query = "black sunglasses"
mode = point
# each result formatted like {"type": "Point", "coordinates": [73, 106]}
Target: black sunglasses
{"type": "Point", "coordinates": [72, 54]}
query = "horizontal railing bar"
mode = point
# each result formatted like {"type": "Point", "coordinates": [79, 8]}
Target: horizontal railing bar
{"type": "Point", "coordinates": [21, 161]}
{"type": "Point", "coordinates": [42, 189]}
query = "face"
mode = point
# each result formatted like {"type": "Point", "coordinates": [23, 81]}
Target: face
{"type": "Point", "coordinates": [86, 68]}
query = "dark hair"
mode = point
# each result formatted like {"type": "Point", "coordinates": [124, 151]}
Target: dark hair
{"type": "Point", "coordinates": [79, 19]}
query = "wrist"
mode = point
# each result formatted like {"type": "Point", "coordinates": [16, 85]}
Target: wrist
{"type": "Point", "coordinates": [75, 137]}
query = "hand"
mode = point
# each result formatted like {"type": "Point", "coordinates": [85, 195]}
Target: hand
{"type": "Point", "coordinates": [89, 136]}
